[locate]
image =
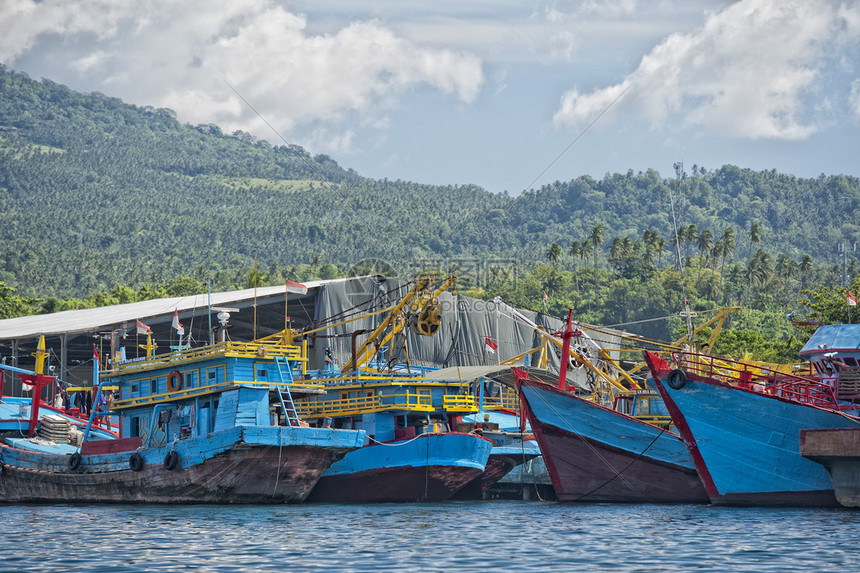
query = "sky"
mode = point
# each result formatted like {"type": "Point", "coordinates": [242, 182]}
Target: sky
{"type": "Point", "coordinates": [505, 94]}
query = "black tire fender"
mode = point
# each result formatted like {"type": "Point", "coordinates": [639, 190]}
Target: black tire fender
{"type": "Point", "coordinates": [135, 462]}
{"type": "Point", "coordinates": [171, 460]}
{"type": "Point", "coordinates": [676, 379]}
{"type": "Point", "coordinates": [75, 461]}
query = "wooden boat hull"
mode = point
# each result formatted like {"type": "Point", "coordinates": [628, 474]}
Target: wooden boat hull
{"type": "Point", "coordinates": [745, 444]}
{"type": "Point", "coordinates": [429, 467]}
{"type": "Point", "coordinates": [239, 465]}
{"type": "Point", "coordinates": [501, 461]}
{"type": "Point", "coordinates": [595, 454]}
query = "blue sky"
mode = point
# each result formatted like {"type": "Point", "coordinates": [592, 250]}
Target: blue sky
{"type": "Point", "coordinates": [490, 93]}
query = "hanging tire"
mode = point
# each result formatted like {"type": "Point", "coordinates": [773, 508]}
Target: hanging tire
{"type": "Point", "coordinates": [171, 460]}
{"type": "Point", "coordinates": [74, 461]}
{"type": "Point", "coordinates": [135, 462]}
{"type": "Point", "coordinates": [676, 379]}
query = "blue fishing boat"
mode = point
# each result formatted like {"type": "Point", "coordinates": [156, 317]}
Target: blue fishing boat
{"type": "Point", "coordinates": [413, 450]}
{"type": "Point", "coordinates": [595, 453]}
{"type": "Point", "coordinates": [214, 424]}
{"type": "Point", "coordinates": [742, 427]}
{"type": "Point", "coordinates": [625, 454]}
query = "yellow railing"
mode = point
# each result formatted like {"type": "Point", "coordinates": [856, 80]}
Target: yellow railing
{"type": "Point", "coordinates": [459, 403]}
{"type": "Point", "coordinates": [198, 391]}
{"type": "Point", "coordinates": [508, 400]}
{"type": "Point", "coordinates": [410, 401]}
{"type": "Point", "coordinates": [232, 349]}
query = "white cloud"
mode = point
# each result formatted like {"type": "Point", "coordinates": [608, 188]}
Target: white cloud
{"type": "Point", "coordinates": [178, 55]}
{"type": "Point", "coordinates": [746, 73]}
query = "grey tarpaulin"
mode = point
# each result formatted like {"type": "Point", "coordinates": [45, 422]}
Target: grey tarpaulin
{"type": "Point", "coordinates": [461, 340]}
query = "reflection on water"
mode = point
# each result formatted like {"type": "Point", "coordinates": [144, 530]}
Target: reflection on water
{"type": "Point", "coordinates": [471, 536]}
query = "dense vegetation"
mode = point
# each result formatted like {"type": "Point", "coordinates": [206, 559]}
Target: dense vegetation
{"type": "Point", "coordinates": [105, 202]}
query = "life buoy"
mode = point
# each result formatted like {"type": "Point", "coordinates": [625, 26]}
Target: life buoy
{"type": "Point", "coordinates": [74, 461]}
{"type": "Point", "coordinates": [676, 379]}
{"type": "Point", "coordinates": [174, 381]}
{"type": "Point", "coordinates": [171, 460]}
{"type": "Point", "coordinates": [135, 462]}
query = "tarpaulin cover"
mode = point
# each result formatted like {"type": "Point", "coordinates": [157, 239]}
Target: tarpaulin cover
{"type": "Point", "coordinates": [460, 341]}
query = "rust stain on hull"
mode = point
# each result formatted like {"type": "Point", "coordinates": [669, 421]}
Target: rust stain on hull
{"type": "Point", "coordinates": [249, 474]}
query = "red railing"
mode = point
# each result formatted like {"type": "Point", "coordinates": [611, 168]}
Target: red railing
{"type": "Point", "coordinates": [758, 378]}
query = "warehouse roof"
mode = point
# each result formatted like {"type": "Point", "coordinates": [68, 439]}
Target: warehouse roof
{"type": "Point", "coordinates": [150, 311]}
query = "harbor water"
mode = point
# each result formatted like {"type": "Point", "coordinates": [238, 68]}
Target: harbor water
{"type": "Point", "coordinates": [453, 536]}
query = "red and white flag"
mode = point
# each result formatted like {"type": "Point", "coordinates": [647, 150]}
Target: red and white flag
{"type": "Point", "coordinates": [545, 297]}
{"type": "Point", "coordinates": [852, 300]}
{"type": "Point", "coordinates": [176, 324]}
{"type": "Point", "coordinates": [297, 288]}
{"type": "Point", "coordinates": [489, 345]}
{"type": "Point", "coordinates": [142, 328]}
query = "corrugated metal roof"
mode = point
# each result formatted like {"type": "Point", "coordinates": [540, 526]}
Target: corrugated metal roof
{"type": "Point", "coordinates": [832, 337]}
{"type": "Point", "coordinates": [91, 319]}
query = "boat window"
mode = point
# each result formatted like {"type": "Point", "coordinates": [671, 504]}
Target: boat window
{"type": "Point", "coordinates": [262, 373]}
{"type": "Point", "coordinates": [850, 361]}
{"type": "Point", "coordinates": [153, 386]}
{"type": "Point", "coordinates": [135, 427]}
{"type": "Point", "coordinates": [135, 390]}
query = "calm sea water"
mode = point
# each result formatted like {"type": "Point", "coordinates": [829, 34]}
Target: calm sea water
{"type": "Point", "coordinates": [457, 536]}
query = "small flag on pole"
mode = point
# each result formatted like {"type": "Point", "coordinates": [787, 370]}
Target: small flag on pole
{"type": "Point", "coordinates": [545, 297]}
{"type": "Point", "coordinates": [176, 324]}
{"type": "Point", "coordinates": [142, 328]}
{"type": "Point", "coordinates": [297, 288]}
{"type": "Point", "coordinates": [852, 300]}
{"type": "Point", "coordinates": [490, 346]}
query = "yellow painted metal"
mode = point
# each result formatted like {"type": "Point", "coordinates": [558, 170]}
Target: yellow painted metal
{"type": "Point", "coordinates": [226, 349]}
{"type": "Point", "coordinates": [41, 356]}
{"type": "Point", "coordinates": [394, 322]}
{"type": "Point", "coordinates": [508, 399]}
{"type": "Point", "coordinates": [410, 401]}
{"type": "Point", "coordinates": [459, 403]}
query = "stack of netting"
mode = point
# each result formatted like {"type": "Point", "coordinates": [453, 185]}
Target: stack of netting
{"type": "Point", "coordinates": [55, 428]}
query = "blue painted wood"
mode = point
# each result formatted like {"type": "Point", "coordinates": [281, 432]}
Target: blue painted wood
{"type": "Point", "coordinates": [456, 450]}
{"type": "Point", "coordinates": [594, 422]}
{"type": "Point", "coordinates": [226, 414]}
{"type": "Point", "coordinates": [746, 444]}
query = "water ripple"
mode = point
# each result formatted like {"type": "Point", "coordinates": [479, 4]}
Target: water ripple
{"type": "Point", "coordinates": [509, 536]}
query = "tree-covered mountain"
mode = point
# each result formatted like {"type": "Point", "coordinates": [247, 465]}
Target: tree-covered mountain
{"type": "Point", "coordinates": [96, 193]}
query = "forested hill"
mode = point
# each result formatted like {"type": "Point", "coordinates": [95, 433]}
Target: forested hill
{"type": "Point", "coordinates": [95, 192]}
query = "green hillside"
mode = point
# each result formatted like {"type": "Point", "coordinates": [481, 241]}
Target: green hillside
{"type": "Point", "coordinates": [96, 193]}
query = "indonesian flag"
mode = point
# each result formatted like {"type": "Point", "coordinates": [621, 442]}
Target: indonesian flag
{"type": "Point", "coordinates": [176, 324]}
{"type": "Point", "coordinates": [297, 288]}
{"type": "Point", "coordinates": [545, 297]}
{"type": "Point", "coordinates": [852, 300]}
{"type": "Point", "coordinates": [489, 345]}
{"type": "Point", "coordinates": [142, 328]}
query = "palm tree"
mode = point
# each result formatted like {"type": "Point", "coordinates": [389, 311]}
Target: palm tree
{"type": "Point", "coordinates": [554, 253]}
{"type": "Point", "coordinates": [692, 233]}
{"type": "Point", "coordinates": [660, 247]}
{"type": "Point", "coordinates": [755, 235]}
{"type": "Point", "coordinates": [805, 268]}
{"type": "Point", "coordinates": [705, 244]}
{"type": "Point", "coordinates": [596, 238]}
{"type": "Point", "coordinates": [728, 246]}
{"type": "Point", "coordinates": [575, 251]}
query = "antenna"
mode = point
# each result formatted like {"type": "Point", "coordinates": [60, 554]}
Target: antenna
{"type": "Point", "coordinates": [679, 172]}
